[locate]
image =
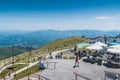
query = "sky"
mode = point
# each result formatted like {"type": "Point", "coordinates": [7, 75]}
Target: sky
{"type": "Point", "coordinates": [32, 15]}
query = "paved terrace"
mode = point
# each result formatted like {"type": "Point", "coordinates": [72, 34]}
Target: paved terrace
{"type": "Point", "coordinates": [65, 70]}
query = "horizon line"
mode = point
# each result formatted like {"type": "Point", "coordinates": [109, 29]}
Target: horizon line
{"type": "Point", "coordinates": [57, 30]}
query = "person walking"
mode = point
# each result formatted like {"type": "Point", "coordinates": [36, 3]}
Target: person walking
{"type": "Point", "coordinates": [76, 62]}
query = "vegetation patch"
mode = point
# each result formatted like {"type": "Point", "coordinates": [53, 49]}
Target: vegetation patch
{"type": "Point", "coordinates": [27, 72]}
{"type": "Point", "coordinates": [59, 44]}
{"type": "Point", "coordinates": [6, 52]}
{"type": "Point", "coordinates": [9, 70]}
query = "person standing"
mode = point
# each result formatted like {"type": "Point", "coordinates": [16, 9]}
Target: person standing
{"type": "Point", "coordinates": [41, 63]}
{"type": "Point", "coordinates": [76, 62]}
{"type": "Point", "coordinates": [50, 55]}
{"type": "Point", "coordinates": [61, 55]}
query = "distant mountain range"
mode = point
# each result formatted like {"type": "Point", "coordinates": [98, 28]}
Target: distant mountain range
{"type": "Point", "coordinates": [43, 37]}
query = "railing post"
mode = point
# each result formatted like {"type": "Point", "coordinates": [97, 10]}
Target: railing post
{"type": "Point", "coordinates": [118, 77]}
{"type": "Point", "coordinates": [39, 77]}
{"type": "Point", "coordinates": [105, 76]}
{"type": "Point", "coordinates": [54, 65]}
{"type": "Point", "coordinates": [47, 65]}
{"type": "Point", "coordinates": [76, 76]}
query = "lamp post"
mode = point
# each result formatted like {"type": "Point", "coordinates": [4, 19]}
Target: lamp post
{"type": "Point", "coordinates": [29, 54]}
{"type": "Point", "coordinates": [13, 55]}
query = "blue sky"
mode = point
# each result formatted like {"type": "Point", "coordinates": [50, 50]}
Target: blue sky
{"type": "Point", "coordinates": [59, 14]}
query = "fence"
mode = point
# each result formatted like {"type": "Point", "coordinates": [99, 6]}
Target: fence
{"type": "Point", "coordinates": [78, 75]}
{"type": "Point", "coordinates": [39, 77]}
{"type": "Point", "coordinates": [113, 75]}
{"type": "Point", "coordinates": [51, 63]}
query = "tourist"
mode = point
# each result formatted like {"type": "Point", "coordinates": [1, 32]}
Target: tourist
{"type": "Point", "coordinates": [79, 55]}
{"type": "Point", "coordinates": [50, 55]}
{"type": "Point", "coordinates": [61, 55]}
{"type": "Point", "coordinates": [41, 63]}
{"type": "Point", "coordinates": [88, 55]}
{"type": "Point", "coordinates": [56, 56]}
{"type": "Point", "coordinates": [76, 62]}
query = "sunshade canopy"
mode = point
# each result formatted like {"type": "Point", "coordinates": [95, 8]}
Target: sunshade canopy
{"type": "Point", "coordinates": [83, 45]}
{"type": "Point", "coordinates": [114, 43]}
{"type": "Point", "coordinates": [114, 51]}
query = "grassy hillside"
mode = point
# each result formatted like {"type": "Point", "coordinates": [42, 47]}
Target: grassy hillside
{"type": "Point", "coordinates": [6, 52]}
{"type": "Point", "coordinates": [53, 46]}
{"type": "Point", "coordinates": [63, 44]}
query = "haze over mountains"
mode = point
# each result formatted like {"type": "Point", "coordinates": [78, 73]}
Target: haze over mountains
{"type": "Point", "coordinates": [43, 37]}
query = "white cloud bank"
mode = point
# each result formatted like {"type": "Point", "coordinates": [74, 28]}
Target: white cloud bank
{"type": "Point", "coordinates": [104, 17]}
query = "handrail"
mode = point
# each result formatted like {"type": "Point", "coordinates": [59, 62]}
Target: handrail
{"type": "Point", "coordinates": [76, 74]}
{"type": "Point", "coordinates": [51, 62]}
{"type": "Point", "coordinates": [40, 77]}
{"type": "Point", "coordinates": [112, 73]}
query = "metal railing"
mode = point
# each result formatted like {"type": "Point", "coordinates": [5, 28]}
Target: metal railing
{"type": "Point", "coordinates": [51, 63]}
{"type": "Point", "coordinates": [118, 78]}
{"type": "Point", "coordinates": [39, 77]}
{"type": "Point", "coordinates": [78, 75]}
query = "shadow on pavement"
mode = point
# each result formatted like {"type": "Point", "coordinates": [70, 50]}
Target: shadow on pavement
{"type": "Point", "coordinates": [111, 65]}
{"type": "Point", "coordinates": [89, 61]}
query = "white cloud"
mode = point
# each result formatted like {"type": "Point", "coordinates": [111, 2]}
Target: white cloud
{"type": "Point", "coordinates": [104, 17]}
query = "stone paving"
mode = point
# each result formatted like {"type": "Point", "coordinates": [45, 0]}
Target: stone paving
{"type": "Point", "coordinates": [65, 70]}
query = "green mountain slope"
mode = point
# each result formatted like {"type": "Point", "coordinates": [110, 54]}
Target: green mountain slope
{"type": "Point", "coordinates": [6, 52]}
{"type": "Point", "coordinates": [53, 46]}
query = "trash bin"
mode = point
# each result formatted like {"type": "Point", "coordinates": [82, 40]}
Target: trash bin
{"type": "Point", "coordinates": [99, 62]}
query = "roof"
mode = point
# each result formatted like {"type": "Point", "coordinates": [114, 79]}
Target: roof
{"type": "Point", "coordinates": [115, 46]}
{"type": "Point", "coordinates": [94, 47]}
{"type": "Point", "coordinates": [97, 46]}
{"type": "Point", "coordinates": [100, 44]}
{"type": "Point", "coordinates": [83, 45]}
{"type": "Point", "coordinates": [113, 43]}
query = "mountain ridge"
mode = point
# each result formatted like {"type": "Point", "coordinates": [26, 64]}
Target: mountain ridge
{"type": "Point", "coordinates": [42, 37]}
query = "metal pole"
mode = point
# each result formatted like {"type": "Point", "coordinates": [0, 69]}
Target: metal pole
{"type": "Point", "coordinates": [54, 65]}
{"type": "Point", "coordinates": [39, 77]}
{"type": "Point", "coordinates": [75, 76]}
{"type": "Point", "coordinates": [28, 62]}
{"type": "Point", "coordinates": [105, 76]}
{"type": "Point", "coordinates": [29, 54]}
{"type": "Point", "coordinates": [13, 54]}
{"type": "Point", "coordinates": [13, 60]}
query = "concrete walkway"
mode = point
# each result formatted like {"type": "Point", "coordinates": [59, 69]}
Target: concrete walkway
{"type": "Point", "coordinates": [65, 71]}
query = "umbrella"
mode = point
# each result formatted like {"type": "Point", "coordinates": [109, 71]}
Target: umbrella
{"type": "Point", "coordinates": [114, 50]}
{"type": "Point", "coordinates": [82, 45]}
{"type": "Point", "coordinates": [97, 46]}
{"type": "Point", "coordinates": [115, 46]}
{"type": "Point", "coordinates": [93, 47]}
{"type": "Point", "coordinates": [100, 44]}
